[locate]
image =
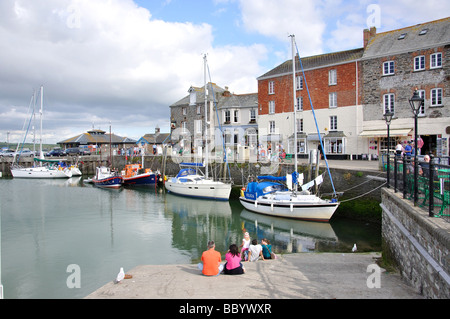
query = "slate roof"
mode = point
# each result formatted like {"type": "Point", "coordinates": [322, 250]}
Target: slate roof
{"type": "Point", "coordinates": [316, 61]}
{"type": "Point", "coordinates": [238, 100]}
{"type": "Point", "coordinates": [97, 137]}
{"type": "Point", "coordinates": [156, 138]}
{"type": "Point", "coordinates": [409, 39]}
{"type": "Point", "coordinates": [200, 92]}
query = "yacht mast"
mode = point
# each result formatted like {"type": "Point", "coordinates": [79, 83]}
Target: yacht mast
{"type": "Point", "coordinates": [294, 96]}
{"type": "Point", "coordinates": [206, 119]}
{"type": "Point", "coordinates": [41, 154]}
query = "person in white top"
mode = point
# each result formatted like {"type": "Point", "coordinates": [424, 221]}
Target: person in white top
{"type": "Point", "coordinates": [399, 149]}
{"type": "Point", "coordinates": [255, 251]}
{"type": "Point", "coordinates": [244, 246]}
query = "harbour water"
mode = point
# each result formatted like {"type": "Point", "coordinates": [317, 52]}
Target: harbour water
{"type": "Point", "coordinates": [53, 231]}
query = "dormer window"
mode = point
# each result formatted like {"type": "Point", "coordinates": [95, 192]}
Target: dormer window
{"type": "Point", "coordinates": [423, 32]}
{"type": "Point", "coordinates": [402, 36]}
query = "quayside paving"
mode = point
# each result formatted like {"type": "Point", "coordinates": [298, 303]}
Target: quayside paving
{"type": "Point", "coordinates": [291, 276]}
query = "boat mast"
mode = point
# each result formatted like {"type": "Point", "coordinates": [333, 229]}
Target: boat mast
{"type": "Point", "coordinates": [206, 118]}
{"type": "Point", "coordinates": [41, 155]}
{"type": "Point", "coordinates": [294, 96]}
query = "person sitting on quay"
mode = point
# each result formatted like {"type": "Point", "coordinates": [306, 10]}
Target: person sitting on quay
{"type": "Point", "coordinates": [266, 248]}
{"type": "Point", "coordinates": [255, 251]}
{"type": "Point", "coordinates": [211, 261]}
{"type": "Point", "coordinates": [233, 265]}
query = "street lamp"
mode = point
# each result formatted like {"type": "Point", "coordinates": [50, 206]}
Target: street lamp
{"type": "Point", "coordinates": [416, 103]}
{"type": "Point", "coordinates": [388, 118]}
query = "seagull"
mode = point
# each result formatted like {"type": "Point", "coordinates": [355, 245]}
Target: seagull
{"type": "Point", "coordinates": [354, 248]}
{"type": "Point", "coordinates": [120, 276]}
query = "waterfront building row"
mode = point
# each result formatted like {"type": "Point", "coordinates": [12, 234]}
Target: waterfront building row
{"type": "Point", "coordinates": [350, 91]}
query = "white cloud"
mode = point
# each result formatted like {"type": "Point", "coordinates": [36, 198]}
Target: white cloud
{"type": "Point", "coordinates": [109, 60]}
{"type": "Point", "coordinates": [279, 19]}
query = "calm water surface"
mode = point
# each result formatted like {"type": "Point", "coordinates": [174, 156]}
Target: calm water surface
{"type": "Point", "coordinates": [47, 225]}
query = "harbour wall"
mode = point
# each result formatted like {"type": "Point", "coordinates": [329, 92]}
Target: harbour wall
{"type": "Point", "coordinates": [417, 245]}
{"type": "Point", "coordinates": [352, 182]}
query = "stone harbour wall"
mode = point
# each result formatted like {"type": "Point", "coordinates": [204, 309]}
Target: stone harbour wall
{"type": "Point", "coordinates": [417, 244]}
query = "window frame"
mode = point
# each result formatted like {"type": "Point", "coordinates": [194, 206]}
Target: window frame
{"type": "Point", "coordinates": [299, 82]}
{"type": "Point", "coordinates": [271, 107]}
{"type": "Point", "coordinates": [272, 127]}
{"type": "Point", "coordinates": [391, 103]}
{"type": "Point", "coordinates": [333, 123]}
{"type": "Point", "coordinates": [436, 66]}
{"type": "Point", "coordinates": [436, 95]}
{"type": "Point", "coordinates": [419, 63]}
{"type": "Point", "coordinates": [390, 68]}
{"type": "Point", "coordinates": [332, 77]}
{"type": "Point", "coordinates": [271, 87]}
{"type": "Point", "coordinates": [332, 100]}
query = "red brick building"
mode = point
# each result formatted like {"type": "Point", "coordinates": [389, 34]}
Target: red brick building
{"type": "Point", "coordinates": [334, 82]}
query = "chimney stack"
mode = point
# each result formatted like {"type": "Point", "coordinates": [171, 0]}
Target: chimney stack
{"type": "Point", "coordinates": [369, 34]}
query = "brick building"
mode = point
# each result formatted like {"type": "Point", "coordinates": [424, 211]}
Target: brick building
{"type": "Point", "coordinates": [334, 85]}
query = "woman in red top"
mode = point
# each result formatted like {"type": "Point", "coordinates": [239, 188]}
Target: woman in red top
{"type": "Point", "coordinates": [233, 265]}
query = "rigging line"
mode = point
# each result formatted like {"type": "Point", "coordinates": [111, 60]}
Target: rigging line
{"type": "Point", "coordinates": [359, 196]}
{"type": "Point", "coordinates": [218, 121]}
{"type": "Point", "coordinates": [369, 180]}
{"type": "Point", "coordinates": [314, 114]}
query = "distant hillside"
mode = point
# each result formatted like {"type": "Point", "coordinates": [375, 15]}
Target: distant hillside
{"type": "Point", "coordinates": [28, 145]}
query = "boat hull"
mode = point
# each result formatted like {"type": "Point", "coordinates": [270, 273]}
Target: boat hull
{"type": "Point", "coordinates": [141, 179]}
{"type": "Point", "coordinates": [40, 172]}
{"type": "Point", "coordinates": [314, 211]}
{"type": "Point", "coordinates": [206, 190]}
{"type": "Point", "coordinates": [110, 182]}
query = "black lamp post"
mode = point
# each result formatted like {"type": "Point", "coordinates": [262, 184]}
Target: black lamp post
{"type": "Point", "coordinates": [388, 118]}
{"type": "Point", "coordinates": [416, 103]}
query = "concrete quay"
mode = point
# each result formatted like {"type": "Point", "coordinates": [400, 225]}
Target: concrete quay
{"type": "Point", "coordinates": [291, 276]}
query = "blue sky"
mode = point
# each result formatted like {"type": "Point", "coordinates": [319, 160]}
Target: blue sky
{"type": "Point", "coordinates": [125, 62]}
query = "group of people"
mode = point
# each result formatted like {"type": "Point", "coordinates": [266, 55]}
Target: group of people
{"type": "Point", "coordinates": [409, 148]}
{"type": "Point", "coordinates": [250, 251]}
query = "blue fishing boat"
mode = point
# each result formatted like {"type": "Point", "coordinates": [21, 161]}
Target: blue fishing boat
{"type": "Point", "coordinates": [104, 177]}
{"type": "Point", "coordinates": [135, 175]}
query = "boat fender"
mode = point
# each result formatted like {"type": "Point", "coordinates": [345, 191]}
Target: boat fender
{"type": "Point", "coordinates": [256, 204]}
{"type": "Point", "coordinates": [271, 206]}
{"type": "Point", "coordinates": [242, 191]}
{"type": "Point", "coordinates": [292, 207]}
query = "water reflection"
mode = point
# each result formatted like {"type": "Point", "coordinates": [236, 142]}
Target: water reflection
{"type": "Point", "coordinates": [288, 235]}
{"type": "Point", "coordinates": [197, 221]}
{"type": "Point", "coordinates": [49, 224]}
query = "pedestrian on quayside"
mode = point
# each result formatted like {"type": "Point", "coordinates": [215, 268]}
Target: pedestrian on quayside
{"type": "Point", "coordinates": [233, 265]}
{"type": "Point", "coordinates": [245, 244]}
{"type": "Point", "coordinates": [211, 261]}
{"type": "Point", "coordinates": [255, 251]}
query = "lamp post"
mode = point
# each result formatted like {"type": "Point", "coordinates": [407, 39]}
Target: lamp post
{"type": "Point", "coordinates": [416, 103]}
{"type": "Point", "coordinates": [388, 118]}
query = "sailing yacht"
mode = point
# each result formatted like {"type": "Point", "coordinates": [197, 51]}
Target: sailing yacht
{"type": "Point", "coordinates": [42, 168]}
{"type": "Point", "coordinates": [280, 196]}
{"type": "Point", "coordinates": [190, 181]}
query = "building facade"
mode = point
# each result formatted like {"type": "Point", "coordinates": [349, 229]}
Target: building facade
{"type": "Point", "coordinates": [230, 120]}
{"type": "Point", "coordinates": [395, 64]}
{"type": "Point", "coordinates": [334, 85]}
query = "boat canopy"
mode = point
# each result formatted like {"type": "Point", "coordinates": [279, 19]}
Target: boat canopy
{"type": "Point", "coordinates": [295, 178]}
{"type": "Point", "coordinates": [262, 188]}
{"type": "Point", "coordinates": [186, 171]}
{"type": "Point", "coordinates": [273, 178]}
{"type": "Point", "coordinates": [192, 164]}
